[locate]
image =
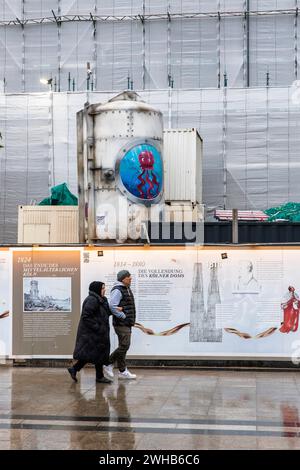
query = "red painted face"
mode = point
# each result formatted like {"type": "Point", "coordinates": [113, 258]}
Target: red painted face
{"type": "Point", "coordinates": [291, 289]}
{"type": "Point", "coordinates": [146, 160]}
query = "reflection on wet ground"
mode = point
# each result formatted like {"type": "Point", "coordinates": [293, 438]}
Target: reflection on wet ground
{"type": "Point", "coordinates": [41, 408]}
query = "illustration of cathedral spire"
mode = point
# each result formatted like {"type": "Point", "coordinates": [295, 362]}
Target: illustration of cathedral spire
{"type": "Point", "coordinates": [213, 334]}
{"type": "Point", "coordinates": [197, 304]}
{"type": "Point", "coordinates": [34, 290]}
{"type": "Point", "coordinates": [203, 321]}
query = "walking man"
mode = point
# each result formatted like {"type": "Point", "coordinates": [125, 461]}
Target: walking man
{"type": "Point", "coordinates": [121, 298]}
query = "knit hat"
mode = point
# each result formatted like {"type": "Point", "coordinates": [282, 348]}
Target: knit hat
{"type": "Point", "coordinates": [122, 274]}
{"type": "Point", "coordinates": [96, 287]}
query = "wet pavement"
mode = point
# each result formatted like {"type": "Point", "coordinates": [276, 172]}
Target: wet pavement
{"type": "Point", "coordinates": [42, 408]}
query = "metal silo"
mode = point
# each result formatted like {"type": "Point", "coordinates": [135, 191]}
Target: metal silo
{"type": "Point", "coordinates": [120, 167]}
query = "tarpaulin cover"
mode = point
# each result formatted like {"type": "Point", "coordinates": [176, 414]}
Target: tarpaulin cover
{"type": "Point", "coordinates": [289, 211]}
{"type": "Point", "coordinates": [60, 196]}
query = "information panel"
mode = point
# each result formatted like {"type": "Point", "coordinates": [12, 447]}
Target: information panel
{"type": "Point", "coordinates": [191, 302]}
{"type": "Point", "coordinates": [46, 301]}
{"type": "Point", "coordinates": [207, 302]}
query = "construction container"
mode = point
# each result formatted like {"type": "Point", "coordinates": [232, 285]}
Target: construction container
{"type": "Point", "coordinates": [48, 224]}
{"type": "Point", "coordinates": [183, 165]}
{"type": "Point", "coordinates": [183, 175]}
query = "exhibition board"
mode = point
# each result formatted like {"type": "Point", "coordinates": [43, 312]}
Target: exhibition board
{"type": "Point", "coordinates": [192, 302]}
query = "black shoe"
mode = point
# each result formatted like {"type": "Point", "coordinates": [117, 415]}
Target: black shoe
{"type": "Point", "coordinates": [103, 380]}
{"type": "Point", "coordinates": [72, 373]}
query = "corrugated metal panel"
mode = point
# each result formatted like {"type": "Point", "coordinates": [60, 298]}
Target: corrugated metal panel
{"type": "Point", "coordinates": [221, 232]}
{"type": "Point", "coordinates": [36, 233]}
{"type": "Point", "coordinates": [62, 223]}
{"type": "Point", "coordinates": [183, 165]}
{"type": "Point", "coordinates": [253, 232]}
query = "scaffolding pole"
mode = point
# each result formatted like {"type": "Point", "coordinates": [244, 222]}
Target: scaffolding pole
{"type": "Point", "coordinates": [219, 49]}
{"type": "Point", "coordinates": [154, 17]}
{"type": "Point", "coordinates": [224, 146]}
{"type": "Point", "coordinates": [296, 41]}
{"type": "Point", "coordinates": [20, 22]}
{"type": "Point", "coordinates": [247, 24]}
{"type": "Point", "coordinates": [144, 47]}
{"type": "Point", "coordinates": [58, 23]}
{"type": "Point", "coordinates": [169, 69]}
{"type": "Point", "coordinates": [94, 47]}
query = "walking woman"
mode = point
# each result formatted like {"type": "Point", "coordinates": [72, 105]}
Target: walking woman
{"type": "Point", "coordinates": [92, 342]}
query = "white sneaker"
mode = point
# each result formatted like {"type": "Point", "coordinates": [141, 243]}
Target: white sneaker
{"type": "Point", "coordinates": [127, 375]}
{"type": "Point", "coordinates": [108, 371]}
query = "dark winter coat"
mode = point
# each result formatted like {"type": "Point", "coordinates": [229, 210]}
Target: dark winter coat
{"type": "Point", "coordinates": [92, 341]}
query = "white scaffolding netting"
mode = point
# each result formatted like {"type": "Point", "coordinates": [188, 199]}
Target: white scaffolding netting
{"type": "Point", "coordinates": [251, 144]}
{"type": "Point", "coordinates": [25, 124]}
{"type": "Point", "coordinates": [196, 43]}
{"type": "Point", "coordinates": [231, 67]}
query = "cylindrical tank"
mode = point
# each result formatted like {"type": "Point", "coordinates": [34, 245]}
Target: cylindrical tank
{"type": "Point", "coordinates": [121, 155]}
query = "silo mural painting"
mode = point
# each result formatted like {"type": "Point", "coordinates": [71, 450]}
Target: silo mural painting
{"type": "Point", "coordinates": [141, 172]}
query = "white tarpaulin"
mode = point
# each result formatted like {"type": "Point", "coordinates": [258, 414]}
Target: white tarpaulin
{"type": "Point", "coordinates": [250, 127]}
{"type": "Point", "coordinates": [193, 43]}
{"type": "Point", "coordinates": [251, 144]}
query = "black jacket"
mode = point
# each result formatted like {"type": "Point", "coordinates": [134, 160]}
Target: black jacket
{"type": "Point", "coordinates": [92, 341]}
{"type": "Point", "coordinates": [128, 304]}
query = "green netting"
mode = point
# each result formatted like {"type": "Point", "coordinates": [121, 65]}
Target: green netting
{"type": "Point", "coordinates": [60, 196]}
{"type": "Point", "coordinates": [289, 211]}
